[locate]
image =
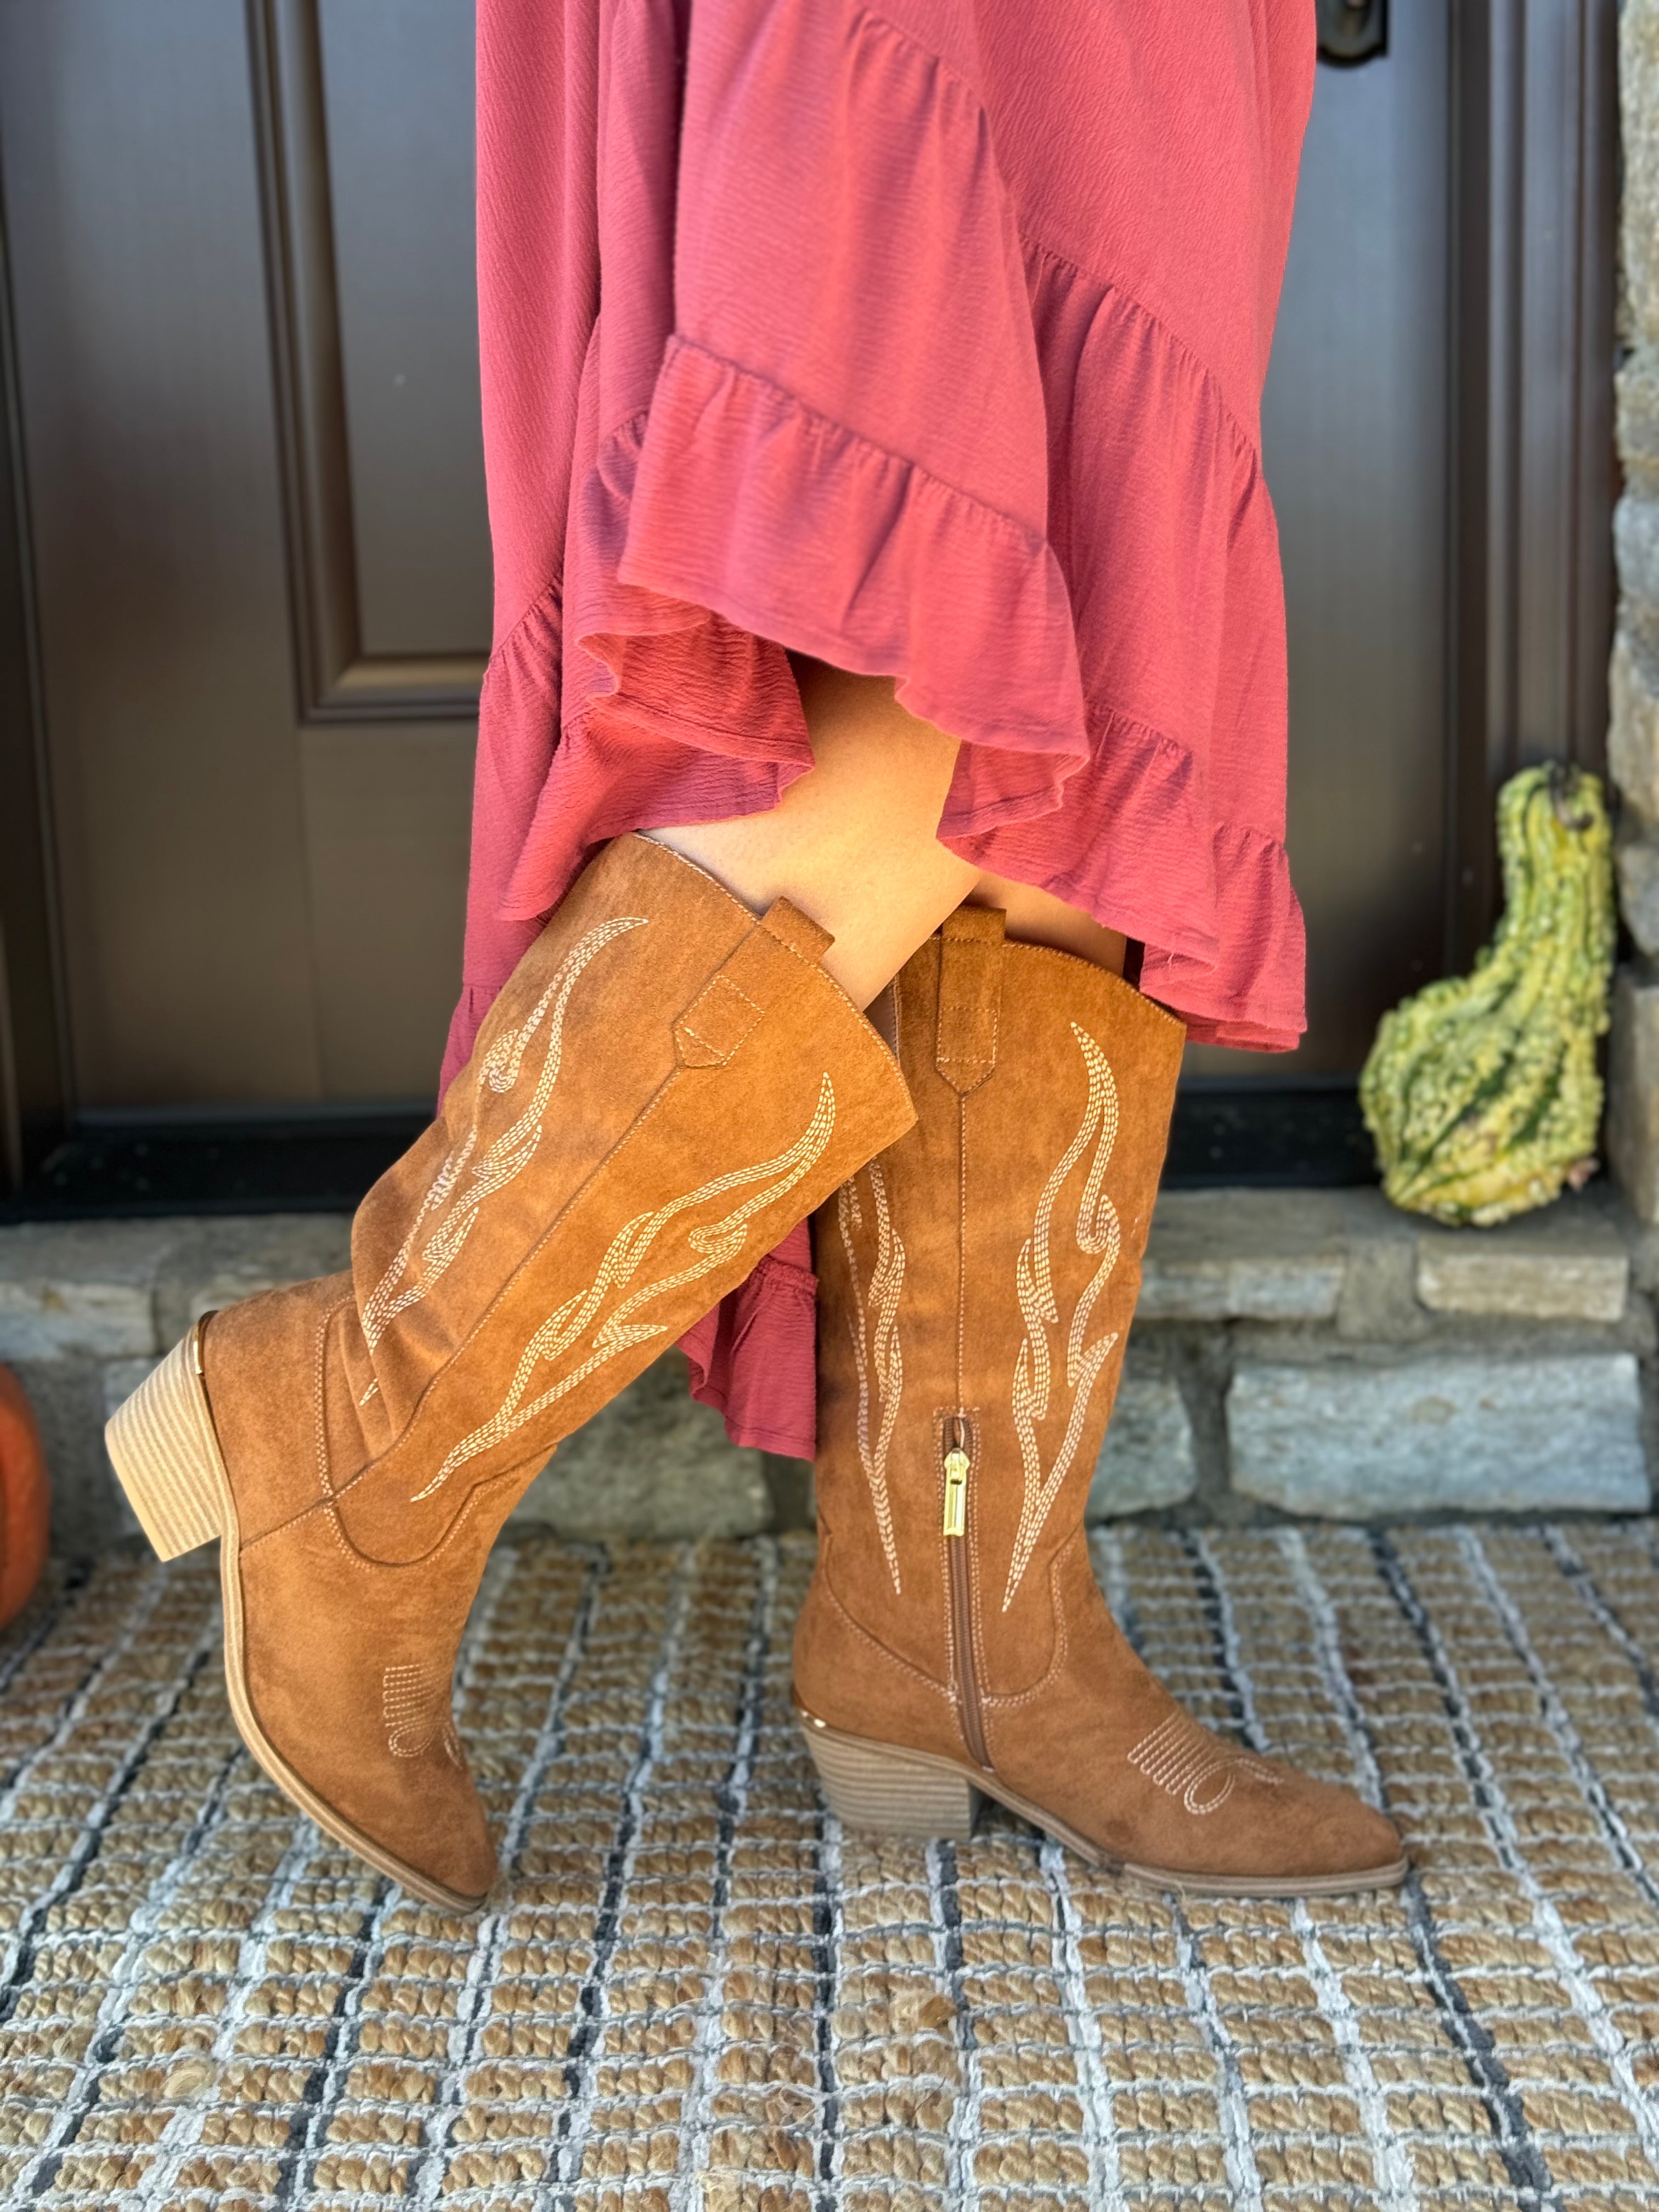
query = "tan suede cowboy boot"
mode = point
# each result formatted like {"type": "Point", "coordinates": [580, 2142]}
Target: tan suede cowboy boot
{"type": "Point", "coordinates": [977, 1284]}
{"type": "Point", "coordinates": [664, 1087]}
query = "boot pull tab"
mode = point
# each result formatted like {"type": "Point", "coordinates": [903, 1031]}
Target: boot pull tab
{"type": "Point", "coordinates": [796, 930]}
{"type": "Point", "coordinates": [759, 972]}
{"type": "Point", "coordinates": [970, 996]}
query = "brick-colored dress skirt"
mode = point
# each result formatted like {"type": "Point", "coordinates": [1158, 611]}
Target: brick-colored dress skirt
{"type": "Point", "coordinates": [929, 339]}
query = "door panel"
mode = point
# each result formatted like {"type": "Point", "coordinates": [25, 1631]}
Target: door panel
{"type": "Point", "coordinates": [252, 455]}
{"type": "Point", "coordinates": [1354, 432]}
{"type": "Point", "coordinates": [1354, 438]}
{"type": "Point", "coordinates": [398, 81]}
{"type": "Point", "coordinates": [241, 244]}
{"type": "Point", "coordinates": [144, 366]}
{"type": "Point", "coordinates": [387, 811]}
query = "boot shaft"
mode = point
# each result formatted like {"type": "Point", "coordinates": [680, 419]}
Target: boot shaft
{"type": "Point", "coordinates": [664, 1085]}
{"type": "Point", "coordinates": [978, 1279]}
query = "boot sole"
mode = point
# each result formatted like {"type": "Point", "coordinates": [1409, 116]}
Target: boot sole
{"type": "Point", "coordinates": [166, 1454]}
{"type": "Point", "coordinates": [920, 1794]}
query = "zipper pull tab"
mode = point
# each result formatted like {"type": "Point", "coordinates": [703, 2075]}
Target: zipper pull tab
{"type": "Point", "coordinates": [956, 1467]}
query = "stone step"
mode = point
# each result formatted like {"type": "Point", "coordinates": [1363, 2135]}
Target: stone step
{"type": "Point", "coordinates": [1312, 1351]}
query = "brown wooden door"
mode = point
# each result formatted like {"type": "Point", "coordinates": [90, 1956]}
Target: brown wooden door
{"type": "Point", "coordinates": [241, 285]}
{"type": "Point", "coordinates": [241, 272]}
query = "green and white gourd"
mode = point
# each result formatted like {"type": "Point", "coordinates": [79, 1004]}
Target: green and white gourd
{"type": "Point", "coordinates": [1482, 1092]}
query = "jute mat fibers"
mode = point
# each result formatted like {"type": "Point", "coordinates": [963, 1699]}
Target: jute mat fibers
{"type": "Point", "coordinates": [692, 1990]}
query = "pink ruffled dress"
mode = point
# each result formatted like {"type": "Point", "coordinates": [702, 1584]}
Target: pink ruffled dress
{"type": "Point", "coordinates": [928, 339]}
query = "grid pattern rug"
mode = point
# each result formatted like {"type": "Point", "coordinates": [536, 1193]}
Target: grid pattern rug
{"type": "Point", "coordinates": [691, 1989]}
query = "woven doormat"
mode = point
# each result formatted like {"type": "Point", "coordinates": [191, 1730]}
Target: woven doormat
{"type": "Point", "coordinates": [692, 1989]}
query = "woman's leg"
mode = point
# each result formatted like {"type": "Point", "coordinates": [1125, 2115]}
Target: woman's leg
{"type": "Point", "coordinates": [1035, 917]}
{"type": "Point", "coordinates": [854, 843]}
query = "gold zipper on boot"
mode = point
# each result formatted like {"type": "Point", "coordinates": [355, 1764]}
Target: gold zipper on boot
{"type": "Point", "coordinates": [959, 1466]}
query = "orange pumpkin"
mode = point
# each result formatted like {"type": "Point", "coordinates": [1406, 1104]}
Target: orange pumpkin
{"type": "Point", "coordinates": [25, 1499]}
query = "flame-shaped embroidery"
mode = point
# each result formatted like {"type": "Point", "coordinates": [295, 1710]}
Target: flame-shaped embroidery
{"type": "Point", "coordinates": [1197, 1769]}
{"type": "Point", "coordinates": [886, 1281]}
{"type": "Point", "coordinates": [1098, 1236]}
{"type": "Point", "coordinates": [713, 1242]}
{"type": "Point", "coordinates": [415, 1703]}
{"type": "Point", "coordinates": [507, 1156]}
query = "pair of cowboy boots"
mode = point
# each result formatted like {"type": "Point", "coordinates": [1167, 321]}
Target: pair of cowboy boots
{"type": "Point", "coordinates": [665, 1086]}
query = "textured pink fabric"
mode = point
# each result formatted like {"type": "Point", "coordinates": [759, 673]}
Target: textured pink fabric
{"type": "Point", "coordinates": [932, 343]}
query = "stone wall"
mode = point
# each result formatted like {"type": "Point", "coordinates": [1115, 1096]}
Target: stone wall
{"type": "Point", "coordinates": [1310, 1351]}
{"type": "Point", "coordinates": [1633, 735]}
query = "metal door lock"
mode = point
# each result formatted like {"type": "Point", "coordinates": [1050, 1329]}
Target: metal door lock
{"type": "Point", "coordinates": [1353, 31]}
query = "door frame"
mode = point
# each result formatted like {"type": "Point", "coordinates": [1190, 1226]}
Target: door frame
{"type": "Point", "coordinates": [1532, 476]}
{"type": "Point", "coordinates": [34, 1063]}
{"type": "Point", "coordinates": [1532, 273]}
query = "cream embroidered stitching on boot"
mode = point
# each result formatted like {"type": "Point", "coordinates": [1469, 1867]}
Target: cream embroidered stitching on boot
{"type": "Point", "coordinates": [1098, 1236]}
{"type": "Point", "coordinates": [506, 1157]}
{"type": "Point", "coordinates": [1181, 1756]}
{"type": "Point", "coordinates": [713, 1242]}
{"type": "Point", "coordinates": [886, 1281]}
{"type": "Point", "coordinates": [414, 1702]}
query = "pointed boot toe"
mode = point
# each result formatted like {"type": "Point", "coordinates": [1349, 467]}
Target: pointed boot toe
{"type": "Point", "coordinates": [457, 1858]}
{"type": "Point", "coordinates": [339, 1671]}
{"type": "Point", "coordinates": [1347, 1844]}
{"type": "Point", "coordinates": [1220, 1822]}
